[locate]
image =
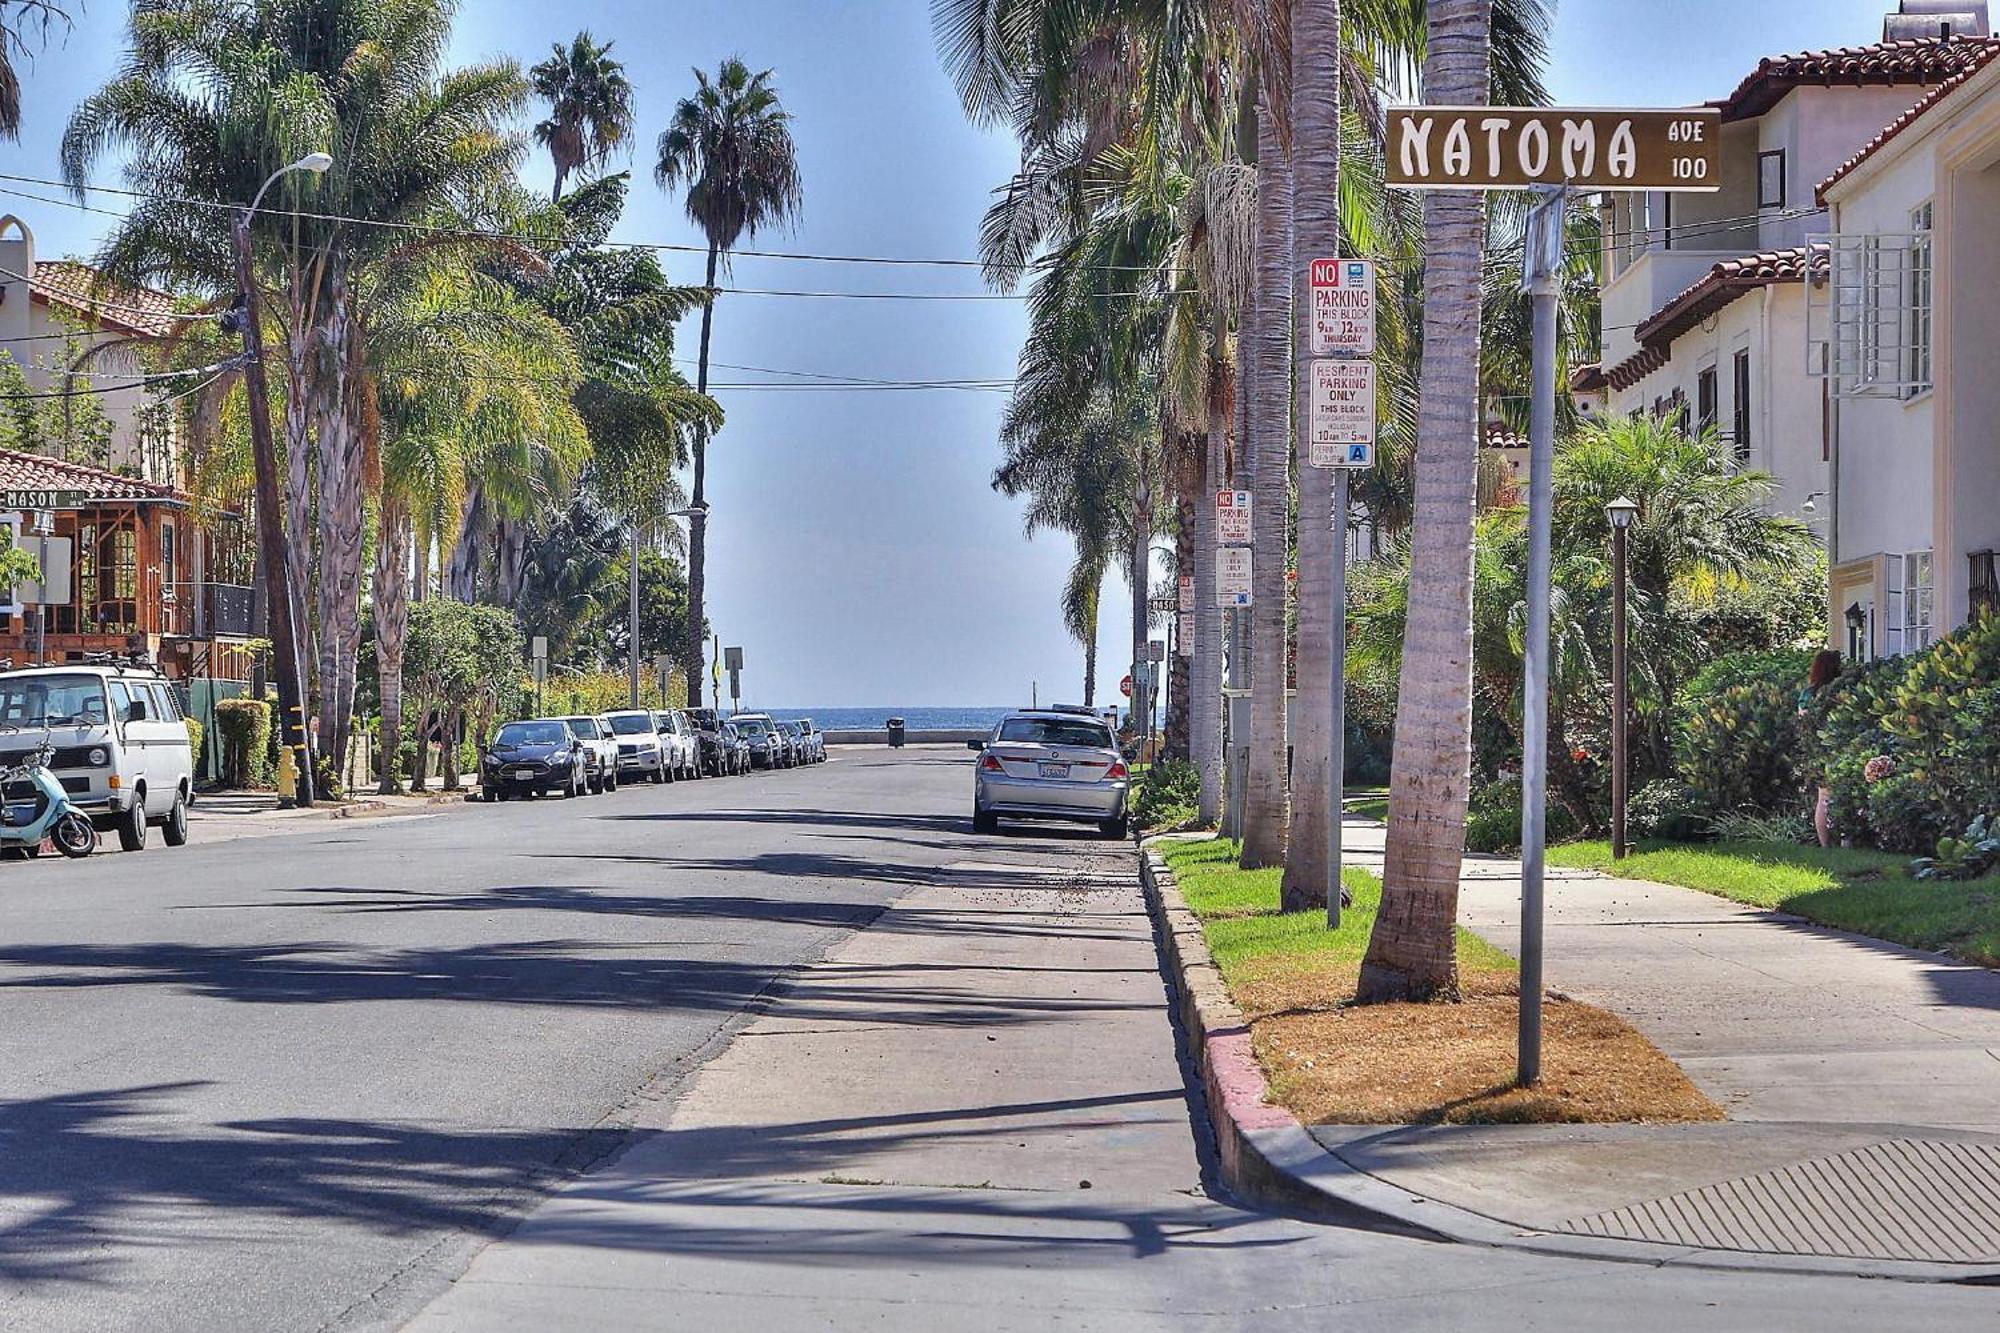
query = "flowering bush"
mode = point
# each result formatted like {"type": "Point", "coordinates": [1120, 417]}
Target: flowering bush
{"type": "Point", "coordinates": [1881, 766]}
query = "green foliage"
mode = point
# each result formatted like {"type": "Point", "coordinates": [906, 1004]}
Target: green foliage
{"type": "Point", "coordinates": [1493, 820]}
{"type": "Point", "coordinates": [1738, 748]}
{"type": "Point", "coordinates": [244, 728]}
{"type": "Point", "coordinates": [1168, 795]}
{"type": "Point", "coordinates": [1748, 667]}
{"type": "Point", "coordinates": [1967, 857]}
{"type": "Point", "coordinates": [66, 419]}
{"type": "Point", "coordinates": [195, 741]}
{"type": "Point", "coordinates": [605, 692]}
{"type": "Point", "coordinates": [1667, 809]}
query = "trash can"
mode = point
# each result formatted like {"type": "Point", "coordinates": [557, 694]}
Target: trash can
{"type": "Point", "coordinates": [896, 733]}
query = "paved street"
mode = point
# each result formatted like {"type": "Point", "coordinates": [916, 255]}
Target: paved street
{"type": "Point", "coordinates": [302, 1081]}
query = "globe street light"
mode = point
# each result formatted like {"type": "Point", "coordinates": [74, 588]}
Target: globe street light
{"type": "Point", "coordinates": [1620, 512]}
{"type": "Point", "coordinates": [278, 592]}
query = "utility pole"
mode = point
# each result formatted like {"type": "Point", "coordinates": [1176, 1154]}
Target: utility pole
{"type": "Point", "coordinates": [1621, 513]}
{"type": "Point", "coordinates": [632, 625]}
{"type": "Point", "coordinates": [270, 520]}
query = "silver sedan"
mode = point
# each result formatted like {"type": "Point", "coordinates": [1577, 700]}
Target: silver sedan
{"type": "Point", "coordinates": [1050, 763]}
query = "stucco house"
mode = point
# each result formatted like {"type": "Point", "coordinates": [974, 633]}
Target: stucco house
{"type": "Point", "coordinates": [1705, 296]}
{"type": "Point", "coordinates": [1904, 336]}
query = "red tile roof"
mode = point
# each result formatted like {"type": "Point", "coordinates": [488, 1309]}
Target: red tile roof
{"type": "Point", "coordinates": [1917, 111]}
{"type": "Point", "coordinates": [1499, 437]}
{"type": "Point", "coordinates": [1586, 379]}
{"type": "Point", "coordinates": [1927, 61]}
{"type": "Point", "coordinates": [34, 472]}
{"type": "Point", "coordinates": [84, 291]}
{"type": "Point", "coordinates": [1720, 286]}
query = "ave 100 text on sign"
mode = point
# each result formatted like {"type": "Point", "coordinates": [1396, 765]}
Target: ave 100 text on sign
{"type": "Point", "coordinates": [1485, 148]}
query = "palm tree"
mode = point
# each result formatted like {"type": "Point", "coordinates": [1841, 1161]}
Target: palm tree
{"type": "Point", "coordinates": [590, 106]}
{"type": "Point", "coordinates": [1412, 951]}
{"type": "Point", "coordinates": [13, 43]}
{"type": "Point", "coordinates": [731, 145]}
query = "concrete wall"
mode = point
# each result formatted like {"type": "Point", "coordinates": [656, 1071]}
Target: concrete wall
{"type": "Point", "coordinates": [880, 736]}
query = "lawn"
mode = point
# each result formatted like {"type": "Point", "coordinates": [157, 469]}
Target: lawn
{"type": "Point", "coordinates": [1869, 893]}
{"type": "Point", "coordinates": [1332, 1061]}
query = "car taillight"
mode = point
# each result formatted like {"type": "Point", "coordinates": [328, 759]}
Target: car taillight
{"type": "Point", "coordinates": [1117, 770]}
{"type": "Point", "coordinates": [990, 763]}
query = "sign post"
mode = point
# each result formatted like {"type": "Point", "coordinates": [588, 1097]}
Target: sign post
{"type": "Point", "coordinates": [1550, 150]}
{"type": "Point", "coordinates": [732, 658]}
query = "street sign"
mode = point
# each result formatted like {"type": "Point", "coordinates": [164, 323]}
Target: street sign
{"type": "Point", "coordinates": [733, 658]}
{"type": "Point", "coordinates": [1589, 148]}
{"type": "Point", "coordinates": [1232, 518]}
{"type": "Point", "coordinates": [1125, 687]}
{"type": "Point", "coordinates": [1156, 650]}
{"type": "Point", "coordinates": [54, 556]}
{"type": "Point", "coordinates": [539, 646]}
{"type": "Point", "coordinates": [41, 497]}
{"type": "Point", "coordinates": [1343, 307]}
{"type": "Point", "coordinates": [1232, 576]}
{"type": "Point", "coordinates": [1187, 595]}
{"type": "Point", "coordinates": [1343, 410]}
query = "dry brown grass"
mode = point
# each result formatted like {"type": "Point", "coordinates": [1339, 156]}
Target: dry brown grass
{"type": "Point", "coordinates": [1331, 1061]}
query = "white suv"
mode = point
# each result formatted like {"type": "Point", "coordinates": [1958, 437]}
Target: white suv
{"type": "Point", "coordinates": [122, 748]}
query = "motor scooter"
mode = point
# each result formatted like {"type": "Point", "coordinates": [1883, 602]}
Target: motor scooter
{"type": "Point", "coordinates": [34, 806]}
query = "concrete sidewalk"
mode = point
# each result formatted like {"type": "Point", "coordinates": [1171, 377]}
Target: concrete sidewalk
{"type": "Point", "coordinates": [984, 1082]}
{"type": "Point", "coordinates": [1862, 1081]}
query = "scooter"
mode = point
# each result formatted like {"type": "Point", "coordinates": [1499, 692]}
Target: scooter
{"type": "Point", "coordinates": [41, 810]}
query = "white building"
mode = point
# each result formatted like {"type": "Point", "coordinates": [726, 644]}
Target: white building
{"type": "Point", "coordinates": [1905, 334]}
{"type": "Point", "coordinates": [52, 309]}
{"type": "Point", "coordinates": [1705, 295]}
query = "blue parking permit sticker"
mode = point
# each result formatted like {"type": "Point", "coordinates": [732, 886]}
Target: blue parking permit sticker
{"type": "Point", "coordinates": [1358, 455]}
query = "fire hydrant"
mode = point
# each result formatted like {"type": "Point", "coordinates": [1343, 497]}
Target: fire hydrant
{"type": "Point", "coordinates": [288, 778]}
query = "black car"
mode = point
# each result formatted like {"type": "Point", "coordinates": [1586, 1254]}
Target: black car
{"type": "Point", "coordinates": [707, 723]}
{"type": "Point", "coordinates": [532, 759]}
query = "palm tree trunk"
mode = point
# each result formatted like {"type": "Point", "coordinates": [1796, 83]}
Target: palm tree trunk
{"type": "Point", "coordinates": [461, 574]}
{"type": "Point", "coordinates": [1187, 501]}
{"type": "Point", "coordinates": [697, 621]}
{"type": "Point", "coordinates": [1141, 559]}
{"type": "Point", "coordinates": [298, 501]}
{"type": "Point", "coordinates": [1271, 456]}
{"type": "Point", "coordinates": [1412, 953]}
{"type": "Point", "coordinates": [1205, 680]}
{"type": "Point", "coordinates": [1090, 666]}
{"type": "Point", "coordinates": [392, 624]}
{"type": "Point", "coordinates": [342, 515]}
{"type": "Point", "coordinates": [1316, 235]}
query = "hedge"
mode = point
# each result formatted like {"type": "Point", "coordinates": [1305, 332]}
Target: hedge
{"type": "Point", "coordinates": [244, 726]}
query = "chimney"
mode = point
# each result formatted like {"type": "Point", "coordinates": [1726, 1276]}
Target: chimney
{"type": "Point", "coordinates": [1923, 20]}
{"type": "Point", "coordinates": [17, 255]}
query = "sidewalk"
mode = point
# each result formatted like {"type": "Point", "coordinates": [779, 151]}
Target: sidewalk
{"type": "Point", "coordinates": [222, 815]}
{"type": "Point", "coordinates": [1862, 1081]}
{"type": "Point", "coordinates": [923, 1100]}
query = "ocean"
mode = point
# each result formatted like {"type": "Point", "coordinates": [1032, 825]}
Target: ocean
{"type": "Point", "coordinates": [918, 719]}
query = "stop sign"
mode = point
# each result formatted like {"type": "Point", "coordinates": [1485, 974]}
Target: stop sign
{"type": "Point", "coordinates": [1125, 687]}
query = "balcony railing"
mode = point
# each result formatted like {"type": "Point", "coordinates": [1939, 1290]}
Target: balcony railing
{"type": "Point", "coordinates": [209, 610]}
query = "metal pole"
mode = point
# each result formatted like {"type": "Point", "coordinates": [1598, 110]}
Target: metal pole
{"type": "Point", "coordinates": [1620, 758]}
{"type": "Point", "coordinates": [278, 593]}
{"type": "Point", "coordinates": [632, 639]}
{"type": "Point", "coordinates": [42, 599]}
{"type": "Point", "coordinates": [1336, 749]}
{"type": "Point", "coordinates": [1542, 279]}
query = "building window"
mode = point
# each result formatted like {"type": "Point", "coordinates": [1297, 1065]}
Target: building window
{"type": "Point", "coordinates": [1918, 598]}
{"type": "Point", "coordinates": [1704, 399]}
{"type": "Point", "coordinates": [1771, 179]}
{"type": "Point", "coordinates": [1917, 351]}
{"type": "Point", "coordinates": [1740, 407]}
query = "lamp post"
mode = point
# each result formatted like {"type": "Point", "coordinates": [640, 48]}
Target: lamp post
{"type": "Point", "coordinates": [696, 512]}
{"type": "Point", "coordinates": [278, 592]}
{"type": "Point", "coordinates": [1621, 515]}
{"type": "Point", "coordinates": [1857, 630]}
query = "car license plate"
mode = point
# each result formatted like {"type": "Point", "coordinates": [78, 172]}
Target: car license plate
{"type": "Point", "coordinates": [523, 774]}
{"type": "Point", "coordinates": [1055, 770]}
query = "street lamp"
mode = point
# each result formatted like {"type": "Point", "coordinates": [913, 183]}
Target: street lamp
{"type": "Point", "coordinates": [1620, 512]}
{"type": "Point", "coordinates": [632, 642]}
{"type": "Point", "coordinates": [1857, 630]}
{"type": "Point", "coordinates": [278, 592]}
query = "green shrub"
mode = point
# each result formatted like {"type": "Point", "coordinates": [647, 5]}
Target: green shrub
{"type": "Point", "coordinates": [244, 729]}
{"type": "Point", "coordinates": [1786, 666]}
{"type": "Point", "coordinates": [1740, 747]}
{"type": "Point", "coordinates": [1169, 794]}
{"type": "Point", "coordinates": [1493, 820]}
{"type": "Point", "coordinates": [195, 742]}
{"type": "Point", "coordinates": [1667, 809]}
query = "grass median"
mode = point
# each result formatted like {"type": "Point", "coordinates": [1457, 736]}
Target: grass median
{"type": "Point", "coordinates": [1331, 1061]}
{"type": "Point", "coordinates": [1866, 892]}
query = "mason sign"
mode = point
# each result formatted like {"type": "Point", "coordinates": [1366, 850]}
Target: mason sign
{"type": "Point", "coordinates": [1487, 148]}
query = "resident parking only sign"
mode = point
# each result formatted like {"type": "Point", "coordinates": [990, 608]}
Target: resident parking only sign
{"type": "Point", "coordinates": [1343, 307]}
{"type": "Point", "coordinates": [1343, 413]}
{"type": "Point", "coordinates": [1232, 576]}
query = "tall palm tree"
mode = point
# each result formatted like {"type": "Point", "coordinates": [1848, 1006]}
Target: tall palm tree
{"type": "Point", "coordinates": [1412, 951]}
{"type": "Point", "coordinates": [590, 106]}
{"type": "Point", "coordinates": [14, 43]}
{"type": "Point", "coordinates": [730, 145]}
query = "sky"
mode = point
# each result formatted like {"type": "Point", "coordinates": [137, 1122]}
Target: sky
{"type": "Point", "coordinates": [858, 553]}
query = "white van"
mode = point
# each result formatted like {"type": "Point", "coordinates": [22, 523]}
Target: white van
{"type": "Point", "coordinates": [121, 744]}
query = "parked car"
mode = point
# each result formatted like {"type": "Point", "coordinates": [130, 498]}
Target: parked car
{"type": "Point", "coordinates": [600, 770]}
{"type": "Point", "coordinates": [641, 754]}
{"type": "Point", "coordinates": [533, 758]}
{"type": "Point", "coordinates": [767, 743]}
{"type": "Point", "coordinates": [1049, 763]}
{"type": "Point", "coordinates": [734, 750]}
{"type": "Point", "coordinates": [797, 743]}
{"type": "Point", "coordinates": [815, 741]}
{"type": "Point", "coordinates": [121, 743]}
{"type": "Point", "coordinates": [707, 724]}
{"type": "Point", "coordinates": [680, 743]}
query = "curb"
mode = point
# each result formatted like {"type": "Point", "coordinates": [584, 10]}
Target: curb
{"type": "Point", "coordinates": [1268, 1158]}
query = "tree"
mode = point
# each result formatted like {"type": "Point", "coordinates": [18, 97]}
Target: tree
{"type": "Point", "coordinates": [1412, 952]}
{"type": "Point", "coordinates": [730, 145]}
{"type": "Point", "coordinates": [590, 106]}
{"type": "Point", "coordinates": [14, 45]}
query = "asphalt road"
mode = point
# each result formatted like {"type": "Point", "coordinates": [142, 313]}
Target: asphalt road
{"type": "Point", "coordinates": [300, 1081]}
{"type": "Point", "coordinates": [287, 1081]}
